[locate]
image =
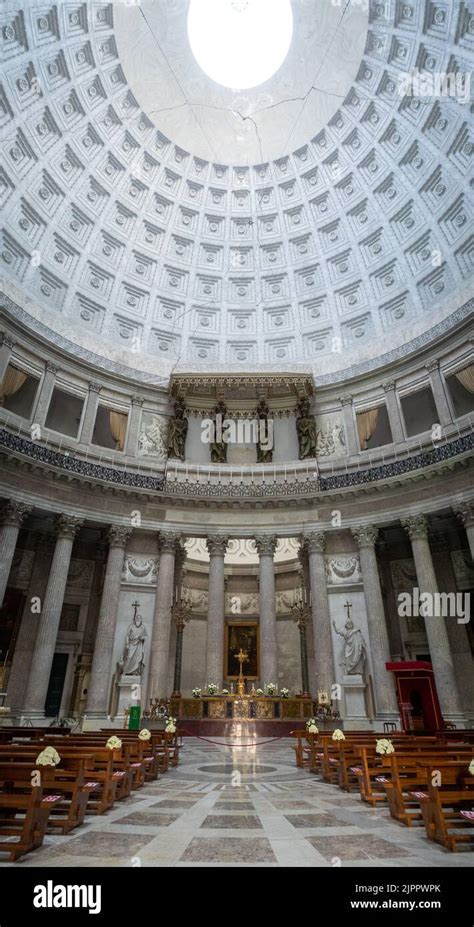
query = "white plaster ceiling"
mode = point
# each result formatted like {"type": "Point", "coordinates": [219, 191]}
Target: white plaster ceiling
{"type": "Point", "coordinates": [158, 240]}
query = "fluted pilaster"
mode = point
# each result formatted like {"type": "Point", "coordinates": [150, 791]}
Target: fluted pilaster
{"type": "Point", "coordinates": [266, 546]}
{"type": "Point", "coordinates": [315, 544]}
{"type": "Point", "coordinates": [12, 517]}
{"type": "Point", "coordinates": [217, 546]}
{"type": "Point", "coordinates": [158, 678]}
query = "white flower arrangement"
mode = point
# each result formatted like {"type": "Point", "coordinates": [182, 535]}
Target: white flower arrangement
{"type": "Point", "coordinates": [114, 743]}
{"type": "Point", "coordinates": [384, 747]}
{"type": "Point", "coordinates": [259, 692]}
{"type": "Point", "coordinates": [48, 757]}
{"type": "Point", "coordinates": [338, 735]}
{"type": "Point", "coordinates": [285, 693]}
{"type": "Point", "coordinates": [225, 692]}
{"type": "Point", "coordinates": [312, 727]}
{"type": "Point", "coordinates": [212, 688]}
{"type": "Point", "coordinates": [170, 726]}
{"type": "Point", "coordinates": [144, 734]}
{"type": "Point", "coordinates": [197, 692]}
{"type": "Point", "coordinates": [471, 768]}
{"type": "Point", "coordinates": [271, 688]}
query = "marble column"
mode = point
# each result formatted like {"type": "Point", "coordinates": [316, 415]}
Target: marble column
{"type": "Point", "coordinates": [6, 348]}
{"type": "Point", "coordinates": [134, 426]}
{"type": "Point", "coordinates": [436, 632]}
{"type": "Point", "coordinates": [384, 686]}
{"type": "Point", "coordinates": [158, 677]}
{"type": "Point", "coordinates": [99, 685]}
{"type": "Point", "coordinates": [349, 425]}
{"type": "Point", "coordinates": [90, 413]}
{"type": "Point", "coordinates": [393, 412]}
{"type": "Point", "coordinates": [67, 527]}
{"type": "Point", "coordinates": [465, 513]}
{"type": "Point", "coordinates": [303, 558]}
{"type": "Point", "coordinates": [266, 546]}
{"type": "Point", "coordinates": [315, 544]}
{"type": "Point", "coordinates": [457, 633]}
{"type": "Point", "coordinates": [179, 571]}
{"type": "Point", "coordinates": [44, 394]}
{"type": "Point", "coordinates": [25, 642]}
{"type": "Point", "coordinates": [12, 516]}
{"type": "Point", "coordinates": [439, 393]}
{"type": "Point", "coordinates": [217, 546]}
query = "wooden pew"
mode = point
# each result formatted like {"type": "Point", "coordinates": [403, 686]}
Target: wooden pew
{"type": "Point", "coordinates": [442, 811]}
{"type": "Point", "coordinates": [24, 814]}
{"type": "Point", "coordinates": [408, 773]}
{"type": "Point", "coordinates": [69, 784]}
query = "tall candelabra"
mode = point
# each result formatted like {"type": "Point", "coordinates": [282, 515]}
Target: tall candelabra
{"type": "Point", "coordinates": [301, 615]}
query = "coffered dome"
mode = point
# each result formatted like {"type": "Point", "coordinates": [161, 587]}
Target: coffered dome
{"type": "Point", "coordinates": [155, 219]}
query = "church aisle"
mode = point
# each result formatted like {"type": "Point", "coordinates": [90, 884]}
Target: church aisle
{"type": "Point", "coordinates": [276, 815]}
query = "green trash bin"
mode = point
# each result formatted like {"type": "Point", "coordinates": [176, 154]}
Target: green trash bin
{"type": "Point", "coordinates": [134, 718]}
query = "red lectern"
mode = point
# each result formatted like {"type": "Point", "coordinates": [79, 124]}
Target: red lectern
{"type": "Point", "coordinates": [417, 696]}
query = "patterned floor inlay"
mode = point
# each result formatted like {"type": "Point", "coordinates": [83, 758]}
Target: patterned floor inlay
{"type": "Point", "coordinates": [242, 850]}
{"type": "Point", "coordinates": [273, 814]}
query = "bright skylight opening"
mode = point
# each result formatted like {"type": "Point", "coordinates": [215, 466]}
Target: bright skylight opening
{"type": "Point", "coordinates": [240, 43]}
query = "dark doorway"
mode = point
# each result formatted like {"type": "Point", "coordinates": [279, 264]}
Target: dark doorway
{"type": "Point", "coordinates": [56, 685]}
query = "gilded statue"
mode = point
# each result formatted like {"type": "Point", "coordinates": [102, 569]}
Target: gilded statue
{"type": "Point", "coordinates": [177, 431]}
{"type": "Point", "coordinates": [306, 429]}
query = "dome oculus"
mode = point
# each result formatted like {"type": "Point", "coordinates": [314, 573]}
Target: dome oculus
{"type": "Point", "coordinates": [240, 43]}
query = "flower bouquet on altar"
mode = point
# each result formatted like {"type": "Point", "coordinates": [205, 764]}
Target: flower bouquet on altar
{"type": "Point", "coordinates": [271, 688]}
{"type": "Point", "coordinates": [212, 689]}
{"type": "Point", "coordinates": [197, 692]}
{"type": "Point", "coordinates": [285, 693]}
{"type": "Point", "coordinates": [259, 692]}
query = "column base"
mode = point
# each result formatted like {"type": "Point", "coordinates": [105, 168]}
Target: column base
{"type": "Point", "coordinates": [356, 718]}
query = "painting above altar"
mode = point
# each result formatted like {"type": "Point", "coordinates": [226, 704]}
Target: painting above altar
{"type": "Point", "coordinates": [241, 635]}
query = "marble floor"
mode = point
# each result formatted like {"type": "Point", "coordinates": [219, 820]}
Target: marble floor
{"type": "Point", "coordinates": [225, 806]}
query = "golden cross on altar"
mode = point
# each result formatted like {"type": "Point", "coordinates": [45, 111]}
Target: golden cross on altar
{"type": "Point", "coordinates": [242, 656]}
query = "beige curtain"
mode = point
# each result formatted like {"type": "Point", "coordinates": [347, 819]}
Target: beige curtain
{"type": "Point", "coordinates": [366, 425]}
{"type": "Point", "coordinates": [118, 427]}
{"type": "Point", "coordinates": [12, 382]}
{"type": "Point", "coordinates": [466, 378]}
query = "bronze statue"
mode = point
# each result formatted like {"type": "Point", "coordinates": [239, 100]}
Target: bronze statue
{"type": "Point", "coordinates": [177, 431]}
{"type": "Point", "coordinates": [306, 429]}
{"type": "Point", "coordinates": [218, 446]}
{"type": "Point", "coordinates": [265, 440]}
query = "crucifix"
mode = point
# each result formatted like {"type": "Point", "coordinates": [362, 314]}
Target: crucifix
{"type": "Point", "coordinates": [135, 606]}
{"type": "Point", "coordinates": [348, 605]}
{"type": "Point", "coordinates": [242, 656]}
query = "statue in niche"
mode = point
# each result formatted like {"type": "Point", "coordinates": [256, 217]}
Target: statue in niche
{"type": "Point", "coordinates": [218, 445]}
{"type": "Point", "coordinates": [265, 436]}
{"type": "Point", "coordinates": [355, 649]}
{"type": "Point", "coordinates": [132, 662]}
{"type": "Point", "coordinates": [177, 431]}
{"type": "Point", "coordinates": [306, 429]}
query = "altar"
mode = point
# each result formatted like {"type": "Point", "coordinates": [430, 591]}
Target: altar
{"type": "Point", "coordinates": [266, 713]}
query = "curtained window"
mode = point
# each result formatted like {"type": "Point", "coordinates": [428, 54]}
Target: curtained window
{"type": "Point", "coordinates": [366, 425]}
{"type": "Point", "coordinates": [12, 382]}
{"type": "Point", "coordinates": [466, 378]}
{"type": "Point", "coordinates": [118, 427]}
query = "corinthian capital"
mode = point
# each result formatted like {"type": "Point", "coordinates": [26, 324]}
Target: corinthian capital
{"type": "Point", "coordinates": [416, 526]}
{"type": "Point", "coordinates": [118, 535]}
{"type": "Point", "coordinates": [365, 535]}
{"type": "Point", "coordinates": [167, 541]}
{"type": "Point", "coordinates": [266, 544]}
{"type": "Point", "coordinates": [14, 513]}
{"type": "Point", "coordinates": [67, 526]}
{"type": "Point", "coordinates": [346, 400]}
{"type": "Point", "coordinates": [7, 340]}
{"type": "Point", "coordinates": [315, 541]}
{"type": "Point", "coordinates": [217, 544]}
{"type": "Point", "coordinates": [465, 512]}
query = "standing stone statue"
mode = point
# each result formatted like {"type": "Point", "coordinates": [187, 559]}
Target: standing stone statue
{"type": "Point", "coordinates": [132, 662]}
{"type": "Point", "coordinates": [306, 429]}
{"type": "Point", "coordinates": [355, 649]}
{"type": "Point", "coordinates": [177, 431]}
{"type": "Point", "coordinates": [218, 446]}
{"type": "Point", "coordinates": [264, 447]}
